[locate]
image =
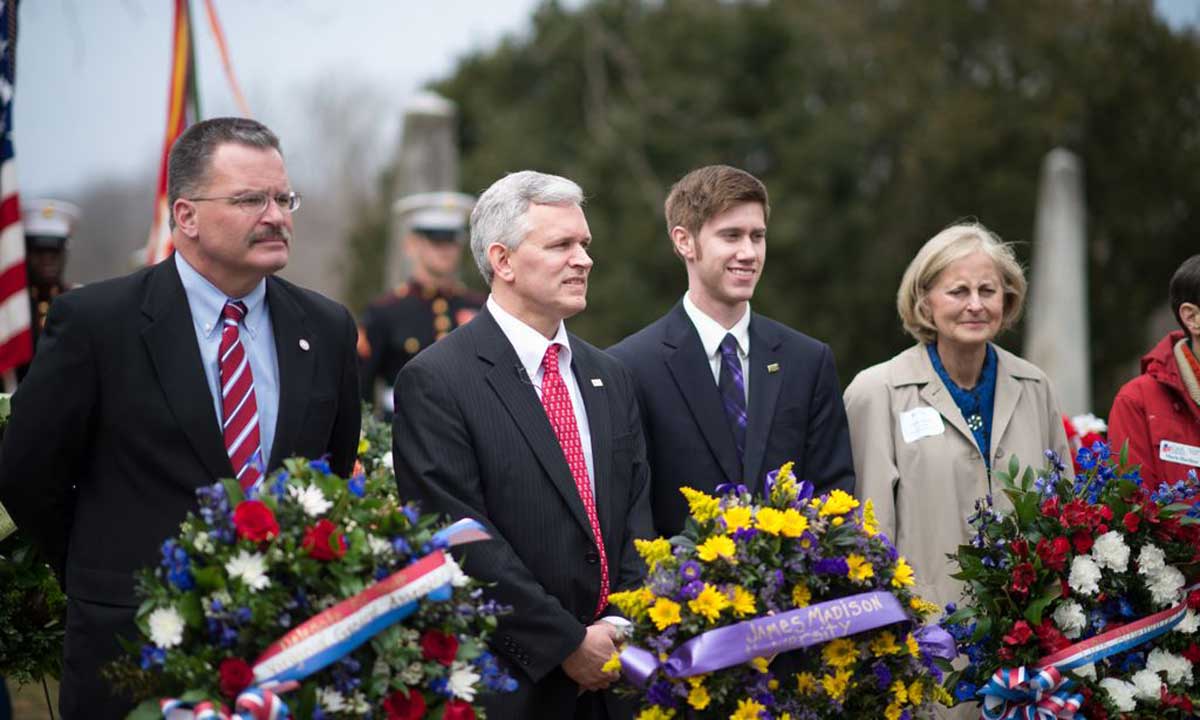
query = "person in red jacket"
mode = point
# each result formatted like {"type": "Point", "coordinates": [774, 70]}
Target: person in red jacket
{"type": "Point", "coordinates": [1158, 412]}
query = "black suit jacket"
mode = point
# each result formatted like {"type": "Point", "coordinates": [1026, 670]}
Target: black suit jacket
{"type": "Point", "coordinates": [471, 439]}
{"type": "Point", "coordinates": [114, 429]}
{"type": "Point", "coordinates": [795, 412]}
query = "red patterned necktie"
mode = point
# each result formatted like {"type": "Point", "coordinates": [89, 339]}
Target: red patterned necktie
{"type": "Point", "coordinates": [238, 405]}
{"type": "Point", "coordinates": [557, 402]}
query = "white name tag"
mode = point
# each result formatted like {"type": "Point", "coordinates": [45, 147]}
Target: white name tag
{"type": "Point", "coordinates": [1179, 453]}
{"type": "Point", "coordinates": [921, 422]}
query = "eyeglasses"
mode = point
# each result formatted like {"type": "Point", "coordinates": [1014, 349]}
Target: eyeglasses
{"type": "Point", "coordinates": [255, 203]}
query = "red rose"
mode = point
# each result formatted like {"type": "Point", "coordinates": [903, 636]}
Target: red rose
{"type": "Point", "coordinates": [1022, 575]}
{"type": "Point", "coordinates": [1050, 638]}
{"type": "Point", "coordinates": [1082, 541]}
{"type": "Point", "coordinates": [1193, 600]}
{"type": "Point", "coordinates": [1019, 547]}
{"type": "Point", "coordinates": [1131, 521]}
{"type": "Point", "coordinates": [1050, 507]}
{"type": "Point", "coordinates": [1192, 653]}
{"type": "Point", "coordinates": [1020, 633]}
{"type": "Point", "coordinates": [1053, 552]}
{"type": "Point", "coordinates": [1075, 514]}
{"type": "Point", "coordinates": [404, 705]}
{"type": "Point", "coordinates": [458, 710]}
{"type": "Point", "coordinates": [439, 647]}
{"type": "Point", "coordinates": [236, 676]}
{"type": "Point", "coordinates": [1106, 513]}
{"type": "Point", "coordinates": [254, 521]}
{"type": "Point", "coordinates": [323, 542]}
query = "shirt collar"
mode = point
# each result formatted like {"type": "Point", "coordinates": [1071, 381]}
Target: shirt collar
{"type": "Point", "coordinates": [530, 344]}
{"type": "Point", "coordinates": [207, 302]}
{"type": "Point", "coordinates": [711, 333]}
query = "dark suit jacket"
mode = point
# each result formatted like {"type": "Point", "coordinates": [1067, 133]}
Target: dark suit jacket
{"type": "Point", "coordinates": [471, 439]}
{"type": "Point", "coordinates": [795, 412]}
{"type": "Point", "coordinates": [114, 429]}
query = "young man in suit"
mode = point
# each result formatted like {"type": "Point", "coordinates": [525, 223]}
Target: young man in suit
{"type": "Point", "coordinates": [147, 387]}
{"type": "Point", "coordinates": [726, 394]}
{"type": "Point", "coordinates": [515, 422]}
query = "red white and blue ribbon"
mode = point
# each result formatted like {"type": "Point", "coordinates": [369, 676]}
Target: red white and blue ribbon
{"type": "Point", "coordinates": [253, 704]}
{"type": "Point", "coordinates": [1045, 694]}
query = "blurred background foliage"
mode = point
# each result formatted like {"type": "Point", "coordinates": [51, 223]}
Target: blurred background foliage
{"type": "Point", "coordinates": [873, 123]}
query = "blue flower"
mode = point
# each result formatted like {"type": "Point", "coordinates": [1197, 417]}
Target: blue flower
{"type": "Point", "coordinates": [242, 615]}
{"type": "Point", "coordinates": [321, 466]}
{"type": "Point", "coordinates": [152, 656]}
{"type": "Point", "coordinates": [1100, 450]}
{"type": "Point", "coordinates": [831, 566]}
{"type": "Point", "coordinates": [357, 485]}
{"type": "Point", "coordinates": [1085, 458]}
{"type": "Point", "coordinates": [400, 545]}
{"type": "Point", "coordinates": [965, 691]}
{"type": "Point", "coordinates": [410, 511]}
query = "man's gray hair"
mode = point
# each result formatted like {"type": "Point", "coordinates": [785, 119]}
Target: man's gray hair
{"type": "Point", "coordinates": [191, 155]}
{"type": "Point", "coordinates": [499, 214]}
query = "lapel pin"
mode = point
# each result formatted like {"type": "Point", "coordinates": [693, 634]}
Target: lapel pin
{"type": "Point", "coordinates": [597, 382]}
{"type": "Point", "coordinates": [304, 345]}
{"type": "Point", "coordinates": [773, 368]}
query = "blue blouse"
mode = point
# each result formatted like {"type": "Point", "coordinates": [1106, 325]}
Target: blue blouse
{"type": "Point", "coordinates": [976, 404]}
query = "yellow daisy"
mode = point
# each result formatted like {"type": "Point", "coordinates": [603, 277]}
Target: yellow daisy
{"type": "Point", "coordinates": [839, 502]}
{"type": "Point", "coordinates": [665, 613]}
{"type": "Point", "coordinates": [794, 524]}
{"type": "Point", "coordinates": [655, 712]}
{"type": "Point", "coordinates": [736, 518]}
{"type": "Point", "coordinates": [859, 569]}
{"type": "Point", "coordinates": [840, 653]}
{"type": "Point", "coordinates": [903, 576]}
{"type": "Point", "coordinates": [916, 692]}
{"type": "Point", "coordinates": [806, 684]}
{"type": "Point", "coordinates": [613, 664]}
{"type": "Point", "coordinates": [698, 697]}
{"type": "Point", "coordinates": [743, 601]}
{"type": "Point", "coordinates": [884, 644]}
{"type": "Point", "coordinates": [747, 709]}
{"type": "Point", "coordinates": [760, 664]}
{"type": "Point", "coordinates": [714, 547]}
{"type": "Point", "coordinates": [910, 643]}
{"type": "Point", "coordinates": [801, 596]}
{"type": "Point", "coordinates": [769, 520]}
{"type": "Point", "coordinates": [836, 685]}
{"type": "Point", "coordinates": [709, 603]}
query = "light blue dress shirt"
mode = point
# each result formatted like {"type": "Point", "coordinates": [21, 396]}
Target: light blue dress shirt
{"type": "Point", "coordinates": [258, 339]}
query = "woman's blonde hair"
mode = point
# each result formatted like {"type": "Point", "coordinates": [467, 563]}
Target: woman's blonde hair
{"type": "Point", "coordinates": [944, 249]}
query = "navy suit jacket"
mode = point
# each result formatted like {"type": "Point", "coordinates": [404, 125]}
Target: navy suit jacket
{"type": "Point", "coordinates": [795, 412]}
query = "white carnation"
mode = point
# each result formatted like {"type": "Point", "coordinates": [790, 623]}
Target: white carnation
{"type": "Point", "coordinates": [386, 460]}
{"type": "Point", "coordinates": [1189, 624]}
{"type": "Point", "coordinates": [310, 498]}
{"type": "Point", "coordinates": [378, 546]}
{"type": "Point", "coordinates": [1176, 667]}
{"type": "Point", "coordinates": [166, 627]}
{"type": "Point", "coordinates": [458, 578]}
{"type": "Point", "coordinates": [1121, 694]}
{"type": "Point", "coordinates": [1070, 618]}
{"type": "Point", "coordinates": [1088, 423]}
{"type": "Point", "coordinates": [251, 568]}
{"type": "Point", "coordinates": [463, 680]}
{"type": "Point", "coordinates": [1166, 586]}
{"type": "Point", "coordinates": [331, 700]}
{"type": "Point", "coordinates": [1110, 551]}
{"type": "Point", "coordinates": [1086, 671]}
{"type": "Point", "coordinates": [1151, 559]}
{"type": "Point", "coordinates": [1146, 685]}
{"type": "Point", "coordinates": [1085, 575]}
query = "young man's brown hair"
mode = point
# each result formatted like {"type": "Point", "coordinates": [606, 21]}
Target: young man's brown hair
{"type": "Point", "coordinates": [709, 191]}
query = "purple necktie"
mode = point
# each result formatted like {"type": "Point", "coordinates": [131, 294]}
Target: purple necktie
{"type": "Point", "coordinates": [732, 385]}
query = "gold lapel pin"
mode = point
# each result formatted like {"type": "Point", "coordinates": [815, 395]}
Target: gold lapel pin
{"type": "Point", "coordinates": [304, 345]}
{"type": "Point", "coordinates": [773, 368]}
{"type": "Point", "coordinates": [597, 382]}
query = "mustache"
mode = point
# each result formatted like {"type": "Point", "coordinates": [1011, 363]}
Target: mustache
{"type": "Point", "coordinates": [271, 233]}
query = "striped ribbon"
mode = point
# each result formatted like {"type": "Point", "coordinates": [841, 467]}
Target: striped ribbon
{"type": "Point", "coordinates": [1042, 693]}
{"type": "Point", "coordinates": [252, 704]}
{"type": "Point", "coordinates": [334, 633]}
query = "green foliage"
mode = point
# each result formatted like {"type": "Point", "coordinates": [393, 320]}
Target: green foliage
{"type": "Point", "coordinates": [873, 124]}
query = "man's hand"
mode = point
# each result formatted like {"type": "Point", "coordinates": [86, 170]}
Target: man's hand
{"type": "Point", "coordinates": [583, 665]}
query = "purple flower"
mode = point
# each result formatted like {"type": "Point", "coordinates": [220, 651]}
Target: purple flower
{"type": "Point", "coordinates": [831, 566]}
{"type": "Point", "coordinates": [691, 590]}
{"type": "Point", "coordinates": [690, 571]}
{"type": "Point", "coordinates": [883, 676]}
{"type": "Point", "coordinates": [660, 694]}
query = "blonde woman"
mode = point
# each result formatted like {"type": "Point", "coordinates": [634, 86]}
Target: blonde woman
{"type": "Point", "coordinates": [929, 427]}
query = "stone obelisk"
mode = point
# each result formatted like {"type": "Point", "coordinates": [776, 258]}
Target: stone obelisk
{"type": "Point", "coordinates": [1056, 334]}
{"type": "Point", "coordinates": [427, 162]}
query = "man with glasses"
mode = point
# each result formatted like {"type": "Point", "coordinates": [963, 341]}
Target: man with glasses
{"type": "Point", "coordinates": [431, 303]}
{"type": "Point", "coordinates": [147, 387]}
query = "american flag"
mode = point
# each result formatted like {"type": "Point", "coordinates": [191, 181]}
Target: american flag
{"type": "Point", "coordinates": [16, 343]}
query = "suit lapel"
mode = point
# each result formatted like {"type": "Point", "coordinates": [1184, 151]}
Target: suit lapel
{"type": "Point", "coordinates": [296, 367]}
{"type": "Point", "coordinates": [516, 392]}
{"type": "Point", "coordinates": [170, 339]}
{"type": "Point", "coordinates": [692, 373]}
{"type": "Point", "coordinates": [595, 402]}
{"type": "Point", "coordinates": [764, 391]}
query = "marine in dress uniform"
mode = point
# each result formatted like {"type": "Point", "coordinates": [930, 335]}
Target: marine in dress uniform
{"type": "Point", "coordinates": [48, 226]}
{"type": "Point", "coordinates": [432, 302]}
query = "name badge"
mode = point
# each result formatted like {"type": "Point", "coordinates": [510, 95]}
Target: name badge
{"type": "Point", "coordinates": [920, 423]}
{"type": "Point", "coordinates": [1179, 453]}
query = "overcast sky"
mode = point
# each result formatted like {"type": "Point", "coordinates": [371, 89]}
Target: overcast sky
{"type": "Point", "coordinates": [91, 88]}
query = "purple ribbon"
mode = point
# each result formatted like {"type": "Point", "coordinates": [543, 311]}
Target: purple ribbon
{"type": "Point", "coordinates": [772, 634]}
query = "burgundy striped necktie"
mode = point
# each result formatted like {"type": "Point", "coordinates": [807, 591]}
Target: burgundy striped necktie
{"type": "Point", "coordinates": [239, 409]}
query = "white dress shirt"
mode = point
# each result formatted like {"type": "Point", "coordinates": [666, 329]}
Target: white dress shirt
{"type": "Point", "coordinates": [531, 347]}
{"type": "Point", "coordinates": [711, 335]}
